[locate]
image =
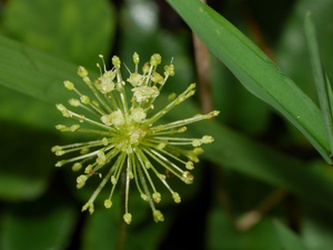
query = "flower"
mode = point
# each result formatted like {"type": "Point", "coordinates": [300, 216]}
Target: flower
{"type": "Point", "coordinates": [130, 140]}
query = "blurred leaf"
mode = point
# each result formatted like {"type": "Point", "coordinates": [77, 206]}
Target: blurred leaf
{"type": "Point", "coordinates": [317, 236]}
{"type": "Point", "coordinates": [25, 163]}
{"type": "Point", "coordinates": [26, 111]}
{"type": "Point", "coordinates": [223, 235]}
{"type": "Point", "coordinates": [33, 73]}
{"type": "Point", "coordinates": [323, 86]}
{"type": "Point", "coordinates": [102, 231]}
{"type": "Point", "coordinates": [37, 229]}
{"type": "Point", "coordinates": [147, 236]}
{"type": "Point", "coordinates": [76, 30]}
{"type": "Point", "coordinates": [240, 109]}
{"type": "Point", "coordinates": [29, 82]}
{"type": "Point", "coordinates": [255, 70]}
{"type": "Point", "coordinates": [265, 235]}
{"type": "Point", "coordinates": [292, 52]}
{"type": "Point", "coordinates": [15, 186]}
{"type": "Point", "coordinates": [39, 77]}
{"type": "Point", "coordinates": [287, 239]}
{"type": "Point", "coordinates": [242, 154]}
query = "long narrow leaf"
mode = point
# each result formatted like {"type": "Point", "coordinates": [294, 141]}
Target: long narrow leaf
{"type": "Point", "coordinates": [320, 78]}
{"type": "Point", "coordinates": [255, 70]}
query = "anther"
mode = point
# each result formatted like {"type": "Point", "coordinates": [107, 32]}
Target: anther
{"type": "Point", "coordinates": [155, 59]}
{"type": "Point", "coordinates": [127, 218]}
{"type": "Point", "coordinates": [107, 203]}
{"type": "Point", "coordinates": [158, 216]}
{"type": "Point", "coordinates": [157, 197]}
{"type": "Point", "coordinates": [176, 197]}
{"type": "Point", "coordinates": [69, 85]}
{"type": "Point", "coordinates": [81, 71]}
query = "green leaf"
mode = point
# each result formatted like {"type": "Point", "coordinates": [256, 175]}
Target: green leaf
{"type": "Point", "coordinates": [26, 111]}
{"type": "Point", "coordinates": [76, 30]}
{"type": "Point", "coordinates": [255, 70]}
{"type": "Point", "coordinates": [222, 234]}
{"type": "Point", "coordinates": [239, 107]}
{"type": "Point", "coordinates": [37, 78]}
{"type": "Point", "coordinates": [267, 234]}
{"type": "Point", "coordinates": [242, 154]}
{"type": "Point", "coordinates": [31, 228]}
{"type": "Point", "coordinates": [317, 235]}
{"type": "Point", "coordinates": [292, 50]}
{"type": "Point", "coordinates": [25, 166]}
{"type": "Point", "coordinates": [312, 182]}
{"type": "Point", "coordinates": [102, 231]}
{"type": "Point", "coordinates": [34, 73]}
{"type": "Point", "coordinates": [287, 239]}
{"type": "Point", "coordinates": [321, 80]}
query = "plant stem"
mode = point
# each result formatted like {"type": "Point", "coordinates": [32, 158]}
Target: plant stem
{"type": "Point", "coordinates": [123, 226]}
{"type": "Point", "coordinates": [202, 63]}
{"type": "Point", "coordinates": [201, 54]}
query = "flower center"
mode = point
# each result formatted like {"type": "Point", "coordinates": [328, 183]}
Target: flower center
{"type": "Point", "coordinates": [130, 137]}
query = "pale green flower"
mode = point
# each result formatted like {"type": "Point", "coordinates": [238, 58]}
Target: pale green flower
{"type": "Point", "coordinates": [130, 139]}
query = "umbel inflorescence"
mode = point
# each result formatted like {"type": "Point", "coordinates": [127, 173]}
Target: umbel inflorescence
{"type": "Point", "coordinates": [130, 140]}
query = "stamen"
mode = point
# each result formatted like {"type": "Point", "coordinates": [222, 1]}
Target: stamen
{"type": "Point", "coordinates": [107, 203]}
{"type": "Point", "coordinates": [127, 218]}
{"type": "Point", "coordinates": [158, 216]}
{"type": "Point", "coordinates": [127, 137]}
{"type": "Point", "coordinates": [104, 65]}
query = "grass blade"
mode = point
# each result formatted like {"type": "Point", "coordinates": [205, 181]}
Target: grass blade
{"type": "Point", "coordinates": [322, 83]}
{"type": "Point", "coordinates": [255, 71]}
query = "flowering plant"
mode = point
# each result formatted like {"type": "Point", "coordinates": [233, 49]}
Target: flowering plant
{"type": "Point", "coordinates": [131, 141]}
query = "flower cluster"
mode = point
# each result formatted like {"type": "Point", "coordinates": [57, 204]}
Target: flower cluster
{"type": "Point", "coordinates": [129, 140]}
